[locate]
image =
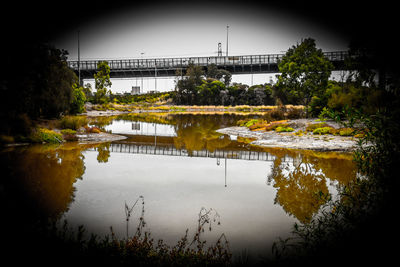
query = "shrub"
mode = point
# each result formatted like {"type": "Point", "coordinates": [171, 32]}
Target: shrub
{"type": "Point", "coordinates": [346, 132]}
{"type": "Point", "coordinates": [73, 122]}
{"type": "Point", "coordinates": [274, 124]}
{"type": "Point", "coordinates": [41, 135]}
{"type": "Point", "coordinates": [334, 131]}
{"type": "Point", "coordinates": [323, 130]}
{"type": "Point", "coordinates": [312, 127]}
{"type": "Point", "coordinates": [78, 100]}
{"type": "Point", "coordinates": [93, 129]}
{"type": "Point", "coordinates": [258, 126]}
{"type": "Point", "coordinates": [295, 113]}
{"type": "Point", "coordinates": [247, 123]}
{"type": "Point", "coordinates": [68, 131]}
{"type": "Point", "coordinates": [278, 113]}
{"type": "Point", "coordinates": [283, 129]}
{"type": "Point", "coordinates": [299, 133]}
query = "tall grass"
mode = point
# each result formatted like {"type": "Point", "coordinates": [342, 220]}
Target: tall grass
{"type": "Point", "coordinates": [73, 122]}
{"type": "Point", "coordinates": [141, 249]}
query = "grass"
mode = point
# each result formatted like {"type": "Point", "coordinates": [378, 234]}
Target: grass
{"type": "Point", "coordinates": [313, 126]}
{"type": "Point", "coordinates": [43, 135]}
{"type": "Point", "coordinates": [322, 130]}
{"type": "Point", "coordinates": [280, 129]}
{"type": "Point", "coordinates": [138, 249]}
{"type": "Point", "coordinates": [73, 122]}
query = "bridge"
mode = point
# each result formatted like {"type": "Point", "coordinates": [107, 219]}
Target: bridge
{"type": "Point", "coordinates": [171, 150]}
{"type": "Point", "coordinates": [168, 67]}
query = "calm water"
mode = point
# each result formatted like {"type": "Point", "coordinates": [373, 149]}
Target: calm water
{"type": "Point", "coordinates": [179, 164]}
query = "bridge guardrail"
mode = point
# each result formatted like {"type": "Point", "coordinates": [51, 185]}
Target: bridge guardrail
{"type": "Point", "coordinates": [176, 63]}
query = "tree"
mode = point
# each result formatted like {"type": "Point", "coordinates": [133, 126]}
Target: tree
{"type": "Point", "coordinates": [209, 92]}
{"type": "Point", "coordinates": [219, 74]}
{"type": "Point", "coordinates": [186, 88]}
{"type": "Point", "coordinates": [42, 85]}
{"type": "Point", "coordinates": [102, 81]}
{"type": "Point", "coordinates": [78, 99]}
{"type": "Point", "coordinates": [304, 72]}
{"type": "Point", "coordinates": [87, 89]}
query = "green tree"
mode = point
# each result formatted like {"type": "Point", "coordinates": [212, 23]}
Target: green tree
{"type": "Point", "coordinates": [209, 92]}
{"type": "Point", "coordinates": [78, 99]}
{"type": "Point", "coordinates": [186, 88]}
{"type": "Point", "coordinates": [219, 74]}
{"type": "Point", "coordinates": [102, 81]}
{"type": "Point", "coordinates": [304, 72]}
{"type": "Point", "coordinates": [37, 82]}
{"type": "Point", "coordinates": [87, 89]}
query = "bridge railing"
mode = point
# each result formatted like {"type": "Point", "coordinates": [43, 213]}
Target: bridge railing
{"type": "Point", "coordinates": [176, 63]}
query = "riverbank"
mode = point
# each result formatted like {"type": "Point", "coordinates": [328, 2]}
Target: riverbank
{"type": "Point", "coordinates": [102, 137]}
{"type": "Point", "coordinates": [298, 139]}
{"type": "Point", "coordinates": [294, 140]}
{"type": "Point", "coordinates": [118, 109]}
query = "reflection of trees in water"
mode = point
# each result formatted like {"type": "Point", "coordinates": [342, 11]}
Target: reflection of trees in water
{"type": "Point", "coordinates": [40, 179]}
{"type": "Point", "coordinates": [198, 132]}
{"type": "Point", "coordinates": [194, 131]}
{"type": "Point", "coordinates": [302, 185]}
{"type": "Point", "coordinates": [297, 189]}
{"type": "Point", "coordinates": [104, 152]}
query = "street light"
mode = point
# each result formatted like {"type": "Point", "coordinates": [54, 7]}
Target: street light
{"type": "Point", "coordinates": [141, 73]}
{"type": "Point", "coordinates": [79, 62]}
{"type": "Point", "coordinates": [227, 32]}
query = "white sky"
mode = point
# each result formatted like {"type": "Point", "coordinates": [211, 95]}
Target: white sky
{"type": "Point", "coordinates": [190, 30]}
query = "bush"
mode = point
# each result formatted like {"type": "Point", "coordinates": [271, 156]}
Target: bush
{"type": "Point", "coordinates": [278, 113]}
{"type": "Point", "coordinates": [78, 100]}
{"type": "Point", "coordinates": [284, 129]}
{"type": "Point", "coordinates": [73, 122]}
{"type": "Point", "coordinates": [68, 131]}
{"type": "Point", "coordinates": [275, 124]}
{"type": "Point", "coordinates": [41, 135]}
{"type": "Point", "coordinates": [295, 113]}
{"type": "Point", "coordinates": [258, 126]}
{"type": "Point", "coordinates": [247, 123]}
{"type": "Point", "coordinates": [312, 127]}
{"type": "Point", "coordinates": [323, 130]}
{"type": "Point", "coordinates": [346, 132]}
{"type": "Point", "coordinates": [93, 129]}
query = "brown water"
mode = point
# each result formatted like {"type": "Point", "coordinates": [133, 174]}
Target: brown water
{"type": "Point", "coordinates": [179, 164]}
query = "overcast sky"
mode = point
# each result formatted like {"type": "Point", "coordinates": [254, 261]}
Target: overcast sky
{"type": "Point", "coordinates": [179, 30]}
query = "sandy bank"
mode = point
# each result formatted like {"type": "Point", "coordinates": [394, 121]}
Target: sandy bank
{"type": "Point", "coordinates": [291, 141]}
{"type": "Point", "coordinates": [89, 138]}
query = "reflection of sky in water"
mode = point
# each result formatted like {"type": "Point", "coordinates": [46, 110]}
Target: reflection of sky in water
{"type": "Point", "coordinates": [267, 189]}
{"type": "Point", "coordinates": [140, 128]}
{"type": "Point", "coordinates": [175, 189]}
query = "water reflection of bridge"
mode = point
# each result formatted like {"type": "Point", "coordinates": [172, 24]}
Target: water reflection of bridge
{"type": "Point", "coordinates": [170, 150]}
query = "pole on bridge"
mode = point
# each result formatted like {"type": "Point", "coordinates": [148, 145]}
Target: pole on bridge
{"type": "Point", "coordinates": [225, 172]}
{"type": "Point", "coordinates": [141, 74]}
{"type": "Point", "coordinates": [227, 32]}
{"type": "Point", "coordinates": [219, 50]}
{"type": "Point", "coordinates": [79, 62]}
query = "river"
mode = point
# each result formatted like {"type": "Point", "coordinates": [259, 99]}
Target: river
{"type": "Point", "coordinates": [178, 164]}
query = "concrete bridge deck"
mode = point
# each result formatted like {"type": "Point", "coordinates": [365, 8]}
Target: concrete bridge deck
{"type": "Point", "coordinates": [157, 67]}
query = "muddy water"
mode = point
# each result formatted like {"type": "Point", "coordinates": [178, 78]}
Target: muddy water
{"type": "Point", "coordinates": [179, 164]}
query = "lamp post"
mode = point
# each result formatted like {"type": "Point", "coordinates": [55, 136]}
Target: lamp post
{"type": "Point", "coordinates": [141, 57]}
{"type": "Point", "coordinates": [79, 62]}
{"type": "Point", "coordinates": [155, 75]}
{"type": "Point", "coordinates": [227, 33]}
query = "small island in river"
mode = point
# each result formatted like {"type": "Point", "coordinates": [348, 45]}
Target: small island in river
{"type": "Point", "coordinates": [299, 136]}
